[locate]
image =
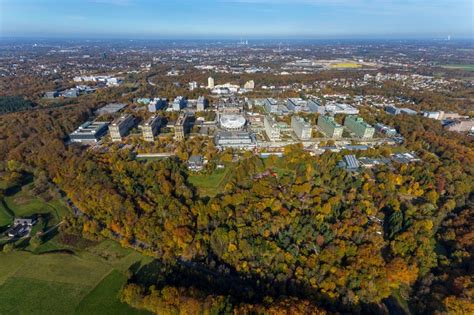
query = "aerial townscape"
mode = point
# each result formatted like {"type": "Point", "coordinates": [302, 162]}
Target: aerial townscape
{"type": "Point", "coordinates": [255, 168]}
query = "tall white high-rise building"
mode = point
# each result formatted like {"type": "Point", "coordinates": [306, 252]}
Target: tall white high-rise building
{"type": "Point", "coordinates": [249, 85]}
{"type": "Point", "coordinates": [210, 83]}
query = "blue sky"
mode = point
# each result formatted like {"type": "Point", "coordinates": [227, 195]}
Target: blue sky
{"type": "Point", "coordinates": [237, 18]}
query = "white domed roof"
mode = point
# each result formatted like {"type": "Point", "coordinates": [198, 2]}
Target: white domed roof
{"type": "Point", "coordinates": [232, 121]}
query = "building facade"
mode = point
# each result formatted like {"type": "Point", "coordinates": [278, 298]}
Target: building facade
{"type": "Point", "coordinates": [201, 104]}
{"type": "Point", "coordinates": [302, 128]}
{"type": "Point", "coordinates": [296, 104]}
{"type": "Point", "coordinates": [329, 127]}
{"type": "Point", "coordinates": [150, 128]}
{"type": "Point", "coordinates": [249, 85]}
{"type": "Point", "coordinates": [272, 129]}
{"type": "Point", "coordinates": [210, 83]}
{"type": "Point", "coordinates": [157, 104]}
{"type": "Point", "coordinates": [316, 107]}
{"type": "Point", "coordinates": [359, 127]}
{"type": "Point", "coordinates": [180, 127]}
{"type": "Point", "coordinates": [179, 103]}
{"type": "Point", "coordinates": [271, 105]}
{"type": "Point", "coordinates": [120, 127]}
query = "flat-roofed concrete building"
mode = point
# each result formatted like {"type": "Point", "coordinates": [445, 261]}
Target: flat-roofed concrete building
{"type": "Point", "coordinates": [302, 128]}
{"type": "Point", "coordinates": [272, 129]}
{"type": "Point", "coordinates": [120, 127]}
{"type": "Point", "coordinates": [350, 162]}
{"type": "Point", "coordinates": [236, 140]}
{"type": "Point", "coordinates": [329, 127]}
{"type": "Point", "coordinates": [461, 125]}
{"type": "Point", "coordinates": [316, 107]}
{"type": "Point", "coordinates": [89, 132]}
{"type": "Point", "coordinates": [271, 105]}
{"type": "Point", "coordinates": [296, 104]}
{"type": "Point", "coordinates": [386, 130]}
{"type": "Point", "coordinates": [110, 108]}
{"type": "Point", "coordinates": [359, 127]}
{"type": "Point", "coordinates": [150, 128]}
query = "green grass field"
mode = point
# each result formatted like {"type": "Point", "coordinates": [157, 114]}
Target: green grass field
{"type": "Point", "coordinates": [465, 67]}
{"type": "Point", "coordinates": [23, 205]}
{"type": "Point", "coordinates": [58, 283]}
{"type": "Point", "coordinates": [5, 216]}
{"type": "Point", "coordinates": [104, 297]}
{"type": "Point", "coordinates": [212, 184]}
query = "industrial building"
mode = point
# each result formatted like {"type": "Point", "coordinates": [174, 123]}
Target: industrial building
{"type": "Point", "coordinates": [110, 108]}
{"type": "Point", "coordinates": [89, 132]}
{"type": "Point", "coordinates": [316, 107]}
{"type": "Point", "coordinates": [150, 128]}
{"type": "Point", "coordinates": [341, 109]}
{"type": "Point", "coordinates": [272, 129]}
{"type": "Point", "coordinates": [271, 105]}
{"type": "Point", "coordinates": [296, 104]}
{"type": "Point", "coordinates": [460, 125]}
{"type": "Point", "coordinates": [350, 163]}
{"type": "Point", "coordinates": [359, 127]}
{"type": "Point", "coordinates": [120, 127]}
{"type": "Point", "coordinates": [329, 127]}
{"type": "Point", "coordinates": [236, 140]}
{"type": "Point", "coordinates": [302, 128]}
{"type": "Point", "coordinates": [397, 111]}
{"type": "Point", "coordinates": [386, 130]}
{"type": "Point", "coordinates": [392, 110]}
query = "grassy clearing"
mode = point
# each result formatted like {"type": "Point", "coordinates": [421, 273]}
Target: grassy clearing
{"type": "Point", "coordinates": [104, 299]}
{"type": "Point", "coordinates": [10, 263]}
{"type": "Point", "coordinates": [210, 184]}
{"type": "Point", "coordinates": [23, 205]}
{"type": "Point", "coordinates": [64, 268]}
{"type": "Point", "coordinates": [59, 283]}
{"type": "Point", "coordinates": [465, 67]}
{"type": "Point", "coordinates": [5, 217]}
{"type": "Point", "coordinates": [32, 296]}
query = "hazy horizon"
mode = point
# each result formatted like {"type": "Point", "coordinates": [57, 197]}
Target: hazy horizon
{"type": "Point", "coordinates": [235, 19]}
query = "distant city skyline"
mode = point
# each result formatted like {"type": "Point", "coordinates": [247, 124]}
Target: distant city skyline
{"type": "Point", "coordinates": [235, 19]}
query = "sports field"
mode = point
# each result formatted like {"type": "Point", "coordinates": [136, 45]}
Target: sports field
{"type": "Point", "coordinates": [85, 281]}
{"type": "Point", "coordinates": [465, 67]}
{"type": "Point", "coordinates": [345, 65]}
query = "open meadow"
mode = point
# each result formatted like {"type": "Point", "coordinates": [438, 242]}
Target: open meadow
{"type": "Point", "coordinates": [66, 280]}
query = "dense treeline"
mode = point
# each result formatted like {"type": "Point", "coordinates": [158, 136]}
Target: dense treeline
{"type": "Point", "coordinates": [296, 229]}
{"type": "Point", "coordinates": [312, 232]}
{"type": "Point", "coordinates": [14, 104]}
{"type": "Point", "coordinates": [179, 300]}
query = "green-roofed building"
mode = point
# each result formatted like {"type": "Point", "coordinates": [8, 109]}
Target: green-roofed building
{"type": "Point", "coordinates": [359, 127]}
{"type": "Point", "coordinates": [329, 127]}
